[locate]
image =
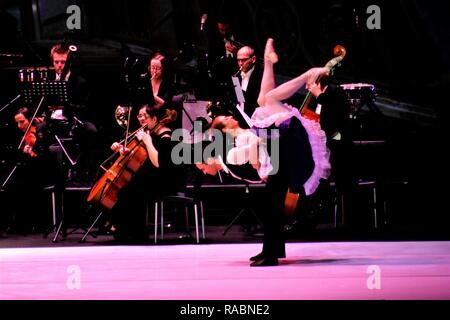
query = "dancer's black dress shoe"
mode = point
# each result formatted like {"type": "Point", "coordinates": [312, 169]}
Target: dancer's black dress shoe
{"type": "Point", "coordinates": [265, 262]}
{"type": "Point", "coordinates": [261, 256]}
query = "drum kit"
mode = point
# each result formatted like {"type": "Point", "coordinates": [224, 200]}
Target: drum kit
{"type": "Point", "coordinates": [358, 95]}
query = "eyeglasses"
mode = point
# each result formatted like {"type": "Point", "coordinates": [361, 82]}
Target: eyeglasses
{"type": "Point", "coordinates": [155, 68]}
{"type": "Point", "coordinates": [244, 59]}
{"type": "Point", "coordinates": [142, 116]}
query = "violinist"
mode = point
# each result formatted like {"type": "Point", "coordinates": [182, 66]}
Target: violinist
{"type": "Point", "coordinates": [27, 179]}
{"type": "Point", "coordinates": [156, 178]}
{"type": "Point", "coordinates": [22, 117]}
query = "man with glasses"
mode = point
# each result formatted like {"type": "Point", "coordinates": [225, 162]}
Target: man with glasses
{"type": "Point", "coordinates": [250, 75]}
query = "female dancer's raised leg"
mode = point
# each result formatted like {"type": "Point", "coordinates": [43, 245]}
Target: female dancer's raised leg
{"type": "Point", "coordinates": [268, 79]}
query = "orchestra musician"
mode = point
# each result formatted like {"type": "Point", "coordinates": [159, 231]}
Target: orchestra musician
{"type": "Point", "coordinates": [222, 50]}
{"type": "Point", "coordinates": [157, 177]}
{"type": "Point", "coordinates": [250, 76]}
{"type": "Point", "coordinates": [28, 179]}
{"type": "Point", "coordinates": [161, 80]}
{"type": "Point", "coordinates": [62, 58]}
{"type": "Point", "coordinates": [22, 119]}
{"type": "Point", "coordinates": [334, 109]}
{"type": "Point", "coordinates": [69, 120]}
{"type": "Point", "coordinates": [303, 158]}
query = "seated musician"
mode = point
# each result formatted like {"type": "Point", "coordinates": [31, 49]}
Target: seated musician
{"type": "Point", "coordinates": [335, 120]}
{"type": "Point", "coordinates": [161, 80]}
{"type": "Point", "coordinates": [22, 118]}
{"type": "Point", "coordinates": [27, 181]}
{"type": "Point", "coordinates": [156, 178]}
{"type": "Point", "coordinates": [69, 120]}
{"type": "Point", "coordinates": [299, 164]}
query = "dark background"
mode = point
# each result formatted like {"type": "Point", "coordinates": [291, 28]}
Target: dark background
{"type": "Point", "coordinates": [407, 61]}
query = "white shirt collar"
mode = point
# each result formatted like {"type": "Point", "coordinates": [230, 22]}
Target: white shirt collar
{"type": "Point", "coordinates": [58, 76]}
{"type": "Point", "coordinates": [247, 74]}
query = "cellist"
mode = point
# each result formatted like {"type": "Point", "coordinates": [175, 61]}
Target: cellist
{"type": "Point", "coordinates": [157, 177]}
{"type": "Point", "coordinates": [335, 120]}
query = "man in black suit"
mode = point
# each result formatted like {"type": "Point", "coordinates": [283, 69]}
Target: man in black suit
{"type": "Point", "coordinates": [334, 109]}
{"type": "Point", "coordinates": [62, 57]}
{"type": "Point", "coordinates": [250, 75]}
{"type": "Point", "coordinates": [69, 119]}
{"type": "Point", "coordinates": [222, 50]}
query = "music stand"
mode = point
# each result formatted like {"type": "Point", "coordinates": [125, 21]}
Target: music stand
{"type": "Point", "coordinates": [55, 93]}
{"type": "Point", "coordinates": [246, 208]}
{"type": "Point", "coordinates": [238, 91]}
{"type": "Point", "coordinates": [193, 110]}
{"type": "Point", "coordinates": [243, 119]}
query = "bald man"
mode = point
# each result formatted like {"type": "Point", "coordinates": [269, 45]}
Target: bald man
{"type": "Point", "coordinates": [250, 76]}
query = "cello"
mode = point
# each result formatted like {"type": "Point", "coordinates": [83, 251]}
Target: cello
{"type": "Point", "coordinates": [291, 199]}
{"type": "Point", "coordinates": [340, 52]}
{"type": "Point", "coordinates": [105, 191]}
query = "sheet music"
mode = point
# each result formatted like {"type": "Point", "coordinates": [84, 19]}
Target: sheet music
{"type": "Point", "coordinates": [192, 111]}
{"type": "Point", "coordinates": [245, 116]}
{"type": "Point", "coordinates": [55, 92]}
{"type": "Point", "coordinates": [238, 90]}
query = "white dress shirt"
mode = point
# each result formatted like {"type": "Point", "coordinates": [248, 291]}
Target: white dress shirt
{"type": "Point", "coordinates": [246, 78]}
{"type": "Point", "coordinates": [57, 114]}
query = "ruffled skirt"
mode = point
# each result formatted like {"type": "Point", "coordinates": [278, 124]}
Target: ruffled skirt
{"type": "Point", "coordinates": [317, 139]}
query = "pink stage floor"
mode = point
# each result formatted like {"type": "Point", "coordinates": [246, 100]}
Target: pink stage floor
{"type": "Point", "coordinates": [326, 270]}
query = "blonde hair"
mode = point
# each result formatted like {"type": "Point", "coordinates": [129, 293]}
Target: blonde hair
{"type": "Point", "coordinates": [60, 49]}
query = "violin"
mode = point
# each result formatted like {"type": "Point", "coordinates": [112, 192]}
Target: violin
{"type": "Point", "coordinates": [30, 140]}
{"type": "Point", "coordinates": [339, 52]}
{"type": "Point", "coordinates": [105, 190]}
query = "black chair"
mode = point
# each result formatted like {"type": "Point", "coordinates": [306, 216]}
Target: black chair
{"type": "Point", "coordinates": [189, 203]}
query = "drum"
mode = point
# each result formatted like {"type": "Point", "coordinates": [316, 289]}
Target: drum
{"type": "Point", "coordinates": [359, 94]}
